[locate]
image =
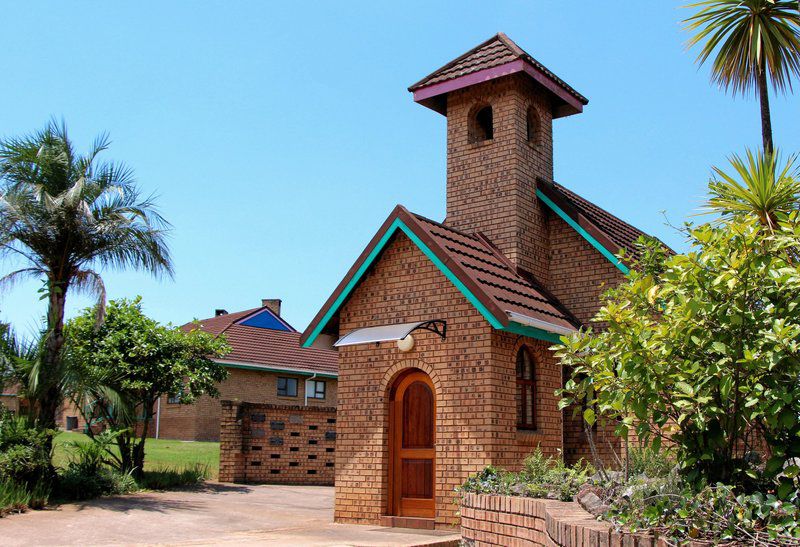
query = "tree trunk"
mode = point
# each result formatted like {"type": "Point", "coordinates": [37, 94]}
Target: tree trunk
{"type": "Point", "coordinates": [766, 121]}
{"type": "Point", "coordinates": [50, 398]}
{"type": "Point", "coordinates": [138, 451]}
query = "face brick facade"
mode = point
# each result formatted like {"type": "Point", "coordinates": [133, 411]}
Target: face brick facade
{"type": "Point", "coordinates": [518, 261]}
{"type": "Point", "coordinates": [265, 351]}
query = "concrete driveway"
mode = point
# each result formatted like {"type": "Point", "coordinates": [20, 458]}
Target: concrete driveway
{"type": "Point", "coordinates": [211, 515]}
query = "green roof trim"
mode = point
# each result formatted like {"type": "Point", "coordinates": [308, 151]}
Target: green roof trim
{"type": "Point", "coordinates": [373, 255]}
{"type": "Point", "coordinates": [277, 369]}
{"type": "Point", "coordinates": [586, 235]}
{"type": "Point", "coordinates": [398, 224]}
{"type": "Point", "coordinates": [533, 332]}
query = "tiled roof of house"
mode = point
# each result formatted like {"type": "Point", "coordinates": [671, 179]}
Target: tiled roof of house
{"type": "Point", "coordinates": [511, 289]}
{"type": "Point", "coordinates": [496, 51]}
{"type": "Point", "coordinates": [279, 349]}
{"type": "Point", "coordinates": [620, 232]}
{"type": "Point", "coordinates": [483, 271]}
{"type": "Point", "coordinates": [218, 324]}
{"type": "Point", "coordinates": [265, 347]}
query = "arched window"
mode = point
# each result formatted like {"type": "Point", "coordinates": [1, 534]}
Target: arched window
{"type": "Point", "coordinates": [526, 390]}
{"type": "Point", "coordinates": [481, 125]}
{"type": "Point", "coordinates": [533, 126]}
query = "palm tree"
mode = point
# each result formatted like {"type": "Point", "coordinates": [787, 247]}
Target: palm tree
{"type": "Point", "coordinates": [65, 215]}
{"type": "Point", "coordinates": [760, 185]}
{"type": "Point", "coordinates": [752, 41]}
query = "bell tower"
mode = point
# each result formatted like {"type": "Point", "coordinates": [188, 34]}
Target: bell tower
{"type": "Point", "coordinates": [500, 104]}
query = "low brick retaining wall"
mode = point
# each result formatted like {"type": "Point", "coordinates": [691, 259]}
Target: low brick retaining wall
{"type": "Point", "coordinates": [511, 521]}
{"type": "Point", "coordinates": [277, 444]}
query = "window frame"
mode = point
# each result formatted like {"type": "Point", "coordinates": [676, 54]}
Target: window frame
{"type": "Point", "coordinates": [525, 390]}
{"type": "Point", "coordinates": [314, 393]}
{"type": "Point", "coordinates": [287, 380]}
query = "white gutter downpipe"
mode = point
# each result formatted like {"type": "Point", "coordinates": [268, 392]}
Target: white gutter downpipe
{"type": "Point", "coordinates": [305, 390]}
{"type": "Point", "coordinates": [158, 416]}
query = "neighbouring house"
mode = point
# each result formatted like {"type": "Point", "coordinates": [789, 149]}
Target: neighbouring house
{"type": "Point", "coordinates": [266, 365]}
{"type": "Point", "coordinates": [68, 417]}
{"type": "Point", "coordinates": [443, 329]}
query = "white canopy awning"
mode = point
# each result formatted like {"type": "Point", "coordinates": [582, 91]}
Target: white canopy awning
{"type": "Point", "coordinates": [539, 324]}
{"type": "Point", "coordinates": [390, 333]}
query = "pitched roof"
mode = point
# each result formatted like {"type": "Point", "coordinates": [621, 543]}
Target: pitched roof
{"type": "Point", "coordinates": [493, 274]}
{"type": "Point", "coordinates": [610, 231]}
{"type": "Point", "coordinates": [266, 348]}
{"type": "Point", "coordinates": [277, 349]}
{"type": "Point", "coordinates": [474, 265]}
{"type": "Point", "coordinates": [497, 51]}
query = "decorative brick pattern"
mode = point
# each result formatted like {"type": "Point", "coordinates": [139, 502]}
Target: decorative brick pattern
{"type": "Point", "coordinates": [513, 521]}
{"type": "Point", "coordinates": [277, 444]}
{"type": "Point", "coordinates": [201, 421]}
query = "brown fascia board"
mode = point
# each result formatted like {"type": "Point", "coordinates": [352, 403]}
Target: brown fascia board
{"type": "Point", "coordinates": [413, 223]}
{"type": "Point", "coordinates": [595, 231]}
{"type": "Point", "coordinates": [410, 220]}
{"type": "Point", "coordinates": [350, 273]}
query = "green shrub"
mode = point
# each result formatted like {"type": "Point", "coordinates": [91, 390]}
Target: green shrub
{"type": "Point", "coordinates": [14, 497]}
{"type": "Point", "coordinates": [17, 497]}
{"type": "Point", "coordinates": [540, 477]}
{"type": "Point", "coordinates": [715, 513]}
{"type": "Point", "coordinates": [167, 478]}
{"type": "Point", "coordinates": [78, 482]}
{"type": "Point", "coordinates": [650, 462]}
{"type": "Point", "coordinates": [24, 452]}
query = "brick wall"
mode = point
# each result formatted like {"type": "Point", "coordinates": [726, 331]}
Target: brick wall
{"type": "Point", "coordinates": [505, 520]}
{"type": "Point", "coordinates": [472, 372]}
{"type": "Point", "coordinates": [201, 421]}
{"type": "Point", "coordinates": [277, 444]}
{"type": "Point", "coordinates": [579, 275]}
{"type": "Point", "coordinates": [491, 184]}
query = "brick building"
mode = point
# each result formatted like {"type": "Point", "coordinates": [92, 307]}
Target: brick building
{"type": "Point", "coordinates": [266, 365]}
{"type": "Point", "coordinates": [518, 261]}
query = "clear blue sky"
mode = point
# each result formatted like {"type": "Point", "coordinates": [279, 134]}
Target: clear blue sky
{"type": "Point", "coordinates": [280, 135]}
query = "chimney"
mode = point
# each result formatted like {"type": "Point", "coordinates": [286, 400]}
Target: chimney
{"type": "Point", "coordinates": [219, 312]}
{"type": "Point", "coordinates": [274, 304]}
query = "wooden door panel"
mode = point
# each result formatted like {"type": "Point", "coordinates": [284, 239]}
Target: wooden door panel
{"type": "Point", "coordinates": [412, 428]}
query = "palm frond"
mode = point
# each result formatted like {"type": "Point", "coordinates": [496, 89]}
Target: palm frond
{"type": "Point", "coordinates": [759, 184]}
{"type": "Point", "coordinates": [90, 282]}
{"type": "Point", "coordinates": [744, 37]}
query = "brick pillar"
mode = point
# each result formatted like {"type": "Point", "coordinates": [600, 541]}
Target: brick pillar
{"type": "Point", "coordinates": [231, 446]}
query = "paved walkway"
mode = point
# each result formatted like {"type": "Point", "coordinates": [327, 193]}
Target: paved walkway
{"type": "Point", "coordinates": [212, 515]}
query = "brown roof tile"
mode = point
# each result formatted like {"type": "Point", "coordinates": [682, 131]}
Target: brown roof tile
{"type": "Point", "coordinates": [280, 349]}
{"type": "Point", "coordinates": [616, 233]}
{"type": "Point", "coordinates": [511, 289]}
{"type": "Point", "coordinates": [496, 51]}
{"type": "Point", "coordinates": [476, 263]}
{"type": "Point", "coordinates": [266, 347]}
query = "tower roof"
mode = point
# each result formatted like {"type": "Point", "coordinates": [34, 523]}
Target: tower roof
{"type": "Point", "coordinates": [496, 57]}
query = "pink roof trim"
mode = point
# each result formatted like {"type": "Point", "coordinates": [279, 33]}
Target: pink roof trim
{"type": "Point", "coordinates": [520, 65]}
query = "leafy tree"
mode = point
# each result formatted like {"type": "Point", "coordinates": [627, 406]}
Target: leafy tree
{"type": "Point", "coordinates": [702, 349]}
{"type": "Point", "coordinates": [141, 360]}
{"type": "Point", "coordinates": [64, 215]}
{"type": "Point", "coordinates": [752, 42]}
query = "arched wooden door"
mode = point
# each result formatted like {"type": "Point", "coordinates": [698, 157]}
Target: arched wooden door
{"type": "Point", "coordinates": [412, 437]}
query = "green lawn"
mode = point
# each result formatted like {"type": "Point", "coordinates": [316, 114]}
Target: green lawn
{"type": "Point", "coordinates": [159, 453]}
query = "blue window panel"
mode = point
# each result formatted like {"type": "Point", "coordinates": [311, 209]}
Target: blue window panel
{"type": "Point", "coordinates": [266, 320]}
